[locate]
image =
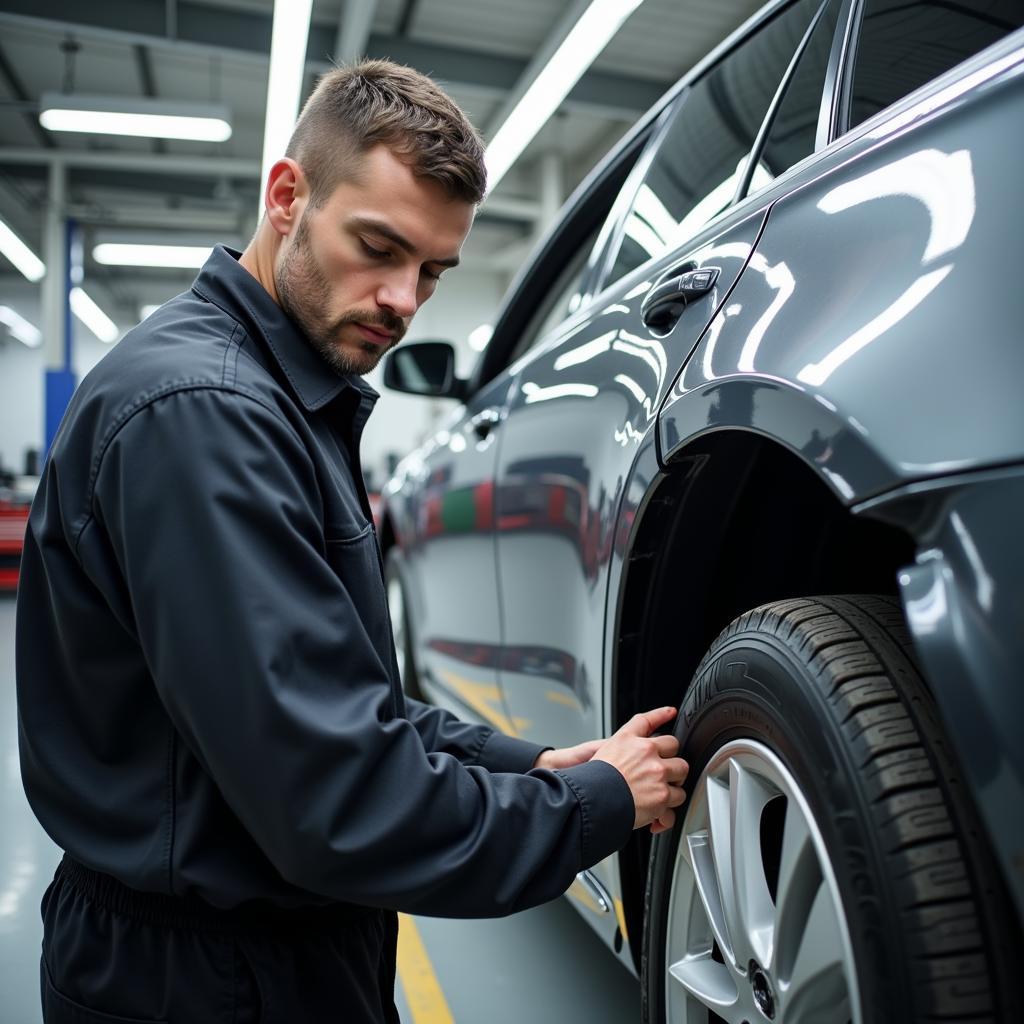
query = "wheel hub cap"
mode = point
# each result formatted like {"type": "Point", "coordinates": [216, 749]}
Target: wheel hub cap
{"type": "Point", "coordinates": [764, 998]}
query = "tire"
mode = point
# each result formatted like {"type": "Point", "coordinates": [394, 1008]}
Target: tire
{"type": "Point", "coordinates": [401, 622]}
{"type": "Point", "coordinates": [833, 868]}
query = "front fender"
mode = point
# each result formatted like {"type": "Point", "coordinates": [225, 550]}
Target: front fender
{"type": "Point", "coordinates": [809, 425]}
{"type": "Point", "coordinates": [964, 601]}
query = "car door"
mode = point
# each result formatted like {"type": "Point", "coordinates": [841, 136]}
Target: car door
{"type": "Point", "coordinates": [585, 398]}
{"type": "Point", "coordinates": [448, 556]}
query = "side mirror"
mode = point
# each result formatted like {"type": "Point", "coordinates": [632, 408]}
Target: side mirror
{"type": "Point", "coordinates": [424, 368]}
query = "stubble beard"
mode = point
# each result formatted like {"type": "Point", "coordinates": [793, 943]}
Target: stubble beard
{"type": "Point", "coordinates": [304, 292]}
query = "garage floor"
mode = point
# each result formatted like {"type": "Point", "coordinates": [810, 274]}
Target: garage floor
{"type": "Point", "coordinates": [544, 965]}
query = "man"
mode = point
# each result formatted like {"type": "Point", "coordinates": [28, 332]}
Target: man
{"type": "Point", "coordinates": [211, 720]}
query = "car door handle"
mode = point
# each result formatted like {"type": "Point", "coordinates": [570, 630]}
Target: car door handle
{"type": "Point", "coordinates": [484, 422]}
{"type": "Point", "coordinates": [665, 302]}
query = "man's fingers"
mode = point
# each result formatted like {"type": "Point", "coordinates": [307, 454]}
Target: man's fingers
{"type": "Point", "coordinates": [663, 822]}
{"type": "Point", "coordinates": [676, 770]}
{"type": "Point", "coordinates": [677, 796]}
{"type": "Point", "coordinates": [646, 722]}
{"type": "Point", "coordinates": [667, 746]}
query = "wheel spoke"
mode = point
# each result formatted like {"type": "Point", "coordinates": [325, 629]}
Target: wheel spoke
{"type": "Point", "coordinates": [712, 984]}
{"type": "Point", "coordinates": [817, 988]}
{"type": "Point", "coordinates": [702, 863]}
{"type": "Point", "coordinates": [799, 882]}
{"type": "Point", "coordinates": [718, 890]}
{"type": "Point", "coordinates": [751, 923]}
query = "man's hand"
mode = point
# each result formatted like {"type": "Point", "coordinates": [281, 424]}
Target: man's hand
{"type": "Point", "coordinates": [568, 757]}
{"type": "Point", "coordinates": [650, 766]}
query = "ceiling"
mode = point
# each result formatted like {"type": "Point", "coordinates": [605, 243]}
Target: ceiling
{"type": "Point", "coordinates": [217, 51]}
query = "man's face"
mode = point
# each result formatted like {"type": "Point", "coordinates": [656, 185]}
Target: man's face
{"type": "Point", "coordinates": [354, 271]}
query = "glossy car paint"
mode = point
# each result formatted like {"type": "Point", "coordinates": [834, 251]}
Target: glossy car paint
{"type": "Point", "coordinates": [863, 320]}
{"type": "Point", "coordinates": [445, 527]}
{"type": "Point", "coordinates": [586, 400]}
{"type": "Point", "coordinates": [965, 606]}
{"type": "Point", "coordinates": [912, 368]}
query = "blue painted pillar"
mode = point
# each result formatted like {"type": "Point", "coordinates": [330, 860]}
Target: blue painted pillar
{"type": "Point", "coordinates": [60, 271]}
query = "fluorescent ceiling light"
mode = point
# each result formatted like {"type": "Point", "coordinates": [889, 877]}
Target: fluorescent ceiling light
{"type": "Point", "coordinates": [148, 310]}
{"type": "Point", "coordinates": [117, 254]}
{"type": "Point", "coordinates": [284, 86]}
{"type": "Point", "coordinates": [126, 115]}
{"type": "Point", "coordinates": [93, 317]}
{"type": "Point", "coordinates": [20, 254]}
{"type": "Point", "coordinates": [20, 328]}
{"type": "Point", "coordinates": [588, 37]}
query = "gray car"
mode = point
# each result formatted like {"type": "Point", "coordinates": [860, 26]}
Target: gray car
{"type": "Point", "coordinates": [749, 439]}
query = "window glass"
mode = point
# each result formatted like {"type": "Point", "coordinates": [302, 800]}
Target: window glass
{"type": "Point", "coordinates": [700, 158]}
{"type": "Point", "coordinates": [561, 301]}
{"type": "Point", "coordinates": [795, 124]}
{"type": "Point", "coordinates": [904, 45]}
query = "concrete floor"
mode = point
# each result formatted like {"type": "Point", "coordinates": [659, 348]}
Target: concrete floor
{"type": "Point", "coordinates": [544, 966]}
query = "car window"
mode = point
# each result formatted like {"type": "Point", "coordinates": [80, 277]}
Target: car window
{"type": "Point", "coordinates": [904, 45]}
{"type": "Point", "coordinates": [561, 301]}
{"type": "Point", "coordinates": [795, 122]}
{"type": "Point", "coordinates": [701, 155]}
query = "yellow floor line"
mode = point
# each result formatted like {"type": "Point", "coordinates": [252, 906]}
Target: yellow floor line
{"type": "Point", "coordinates": [419, 982]}
{"type": "Point", "coordinates": [482, 697]}
{"type": "Point", "coordinates": [557, 697]}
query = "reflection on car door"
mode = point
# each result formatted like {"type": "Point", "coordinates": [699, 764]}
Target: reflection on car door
{"type": "Point", "coordinates": [577, 413]}
{"type": "Point", "coordinates": [582, 406]}
{"type": "Point", "coordinates": [450, 562]}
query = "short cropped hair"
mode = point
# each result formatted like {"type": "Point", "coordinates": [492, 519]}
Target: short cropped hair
{"type": "Point", "coordinates": [359, 106]}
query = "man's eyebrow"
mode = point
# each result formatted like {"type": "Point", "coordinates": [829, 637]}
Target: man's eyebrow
{"type": "Point", "coordinates": [379, 227]}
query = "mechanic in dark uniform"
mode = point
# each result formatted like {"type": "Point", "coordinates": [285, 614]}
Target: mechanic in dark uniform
{"type": "Point", "coordinates": [211, 720]}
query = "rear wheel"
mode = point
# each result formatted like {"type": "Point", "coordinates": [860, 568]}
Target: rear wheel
{"type": "Point", "coordinates": [401, 627]}
{"type": "Point", "coordinates": [828, 867]}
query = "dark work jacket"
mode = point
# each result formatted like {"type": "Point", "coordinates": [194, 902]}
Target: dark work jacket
{"type": "Point", "coordinates": [207, 692]}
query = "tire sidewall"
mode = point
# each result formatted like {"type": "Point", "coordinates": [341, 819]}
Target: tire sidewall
{"type": "Point", "coordinates": [754, 688]}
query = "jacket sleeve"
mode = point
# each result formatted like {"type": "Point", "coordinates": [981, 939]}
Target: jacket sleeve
{"type": "Point", "coordinates": [472, 744]}
{"type": "Point", "coordinates": [210, 501]}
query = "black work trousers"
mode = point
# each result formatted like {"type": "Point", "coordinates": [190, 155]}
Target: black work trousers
{"type": "Point", "coordinates": [112, 955]}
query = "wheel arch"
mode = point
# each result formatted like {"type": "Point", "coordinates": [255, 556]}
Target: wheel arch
{"type": "Point", "coordinates": [735, 520]}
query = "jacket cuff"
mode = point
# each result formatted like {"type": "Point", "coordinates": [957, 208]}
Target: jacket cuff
{"type": "Point", "coordinates": [501, 753]}
{"type": "Point", "coordinates": [607, 811]}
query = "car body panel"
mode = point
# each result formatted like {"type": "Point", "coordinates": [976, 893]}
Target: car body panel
{"type": "Point", "coordinates": [903, 382]}
{"type": "Point", "coordinates": [441, 506]}
{"type": "Point", "coordinates": [909, 372]}
{"type": "Point", "coordinates": [579, 407]}
{"type": "Point", "coordinates": [879, 232]}
{"type": "Point", "coordinates": [965, 608]}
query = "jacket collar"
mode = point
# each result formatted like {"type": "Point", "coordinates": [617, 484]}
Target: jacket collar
{"type": "Point", "coordinates": [229, 286]}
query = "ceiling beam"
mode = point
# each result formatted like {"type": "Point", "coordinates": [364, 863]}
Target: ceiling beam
{"type": "Point", "coordinates": [119, 168]}
{"type": "Point", "coordinates": [182, 219]}
{"type": "Point", "coordinates": [354, 30]}
{"type": "Point", "coordinates": [406, 17]}
{"type": "Point", "coordinates": [145, 68]}
{"type": "Point", "coordinates": [244, 36]}
{"type": "Point", "coordinates": [203, 166]}
{"type": "Point", "coordinates": [20, 93]}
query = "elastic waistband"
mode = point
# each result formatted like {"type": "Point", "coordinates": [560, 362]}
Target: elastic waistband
{"type": "Point", "coordinates": [191, 912]}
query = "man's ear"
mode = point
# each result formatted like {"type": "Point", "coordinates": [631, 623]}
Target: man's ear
{"type": "Point", "coordinates": [286, 195]}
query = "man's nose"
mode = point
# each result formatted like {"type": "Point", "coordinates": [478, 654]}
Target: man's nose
{"type": "Point", "coordinates": [398, 294]}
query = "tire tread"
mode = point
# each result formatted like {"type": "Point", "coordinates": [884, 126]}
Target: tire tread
{"type": "Point", "coordinates": [858, 651]}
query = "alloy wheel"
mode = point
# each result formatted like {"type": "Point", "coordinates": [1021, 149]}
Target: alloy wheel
{"type": "Point", "coordinates": [756, 928]}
